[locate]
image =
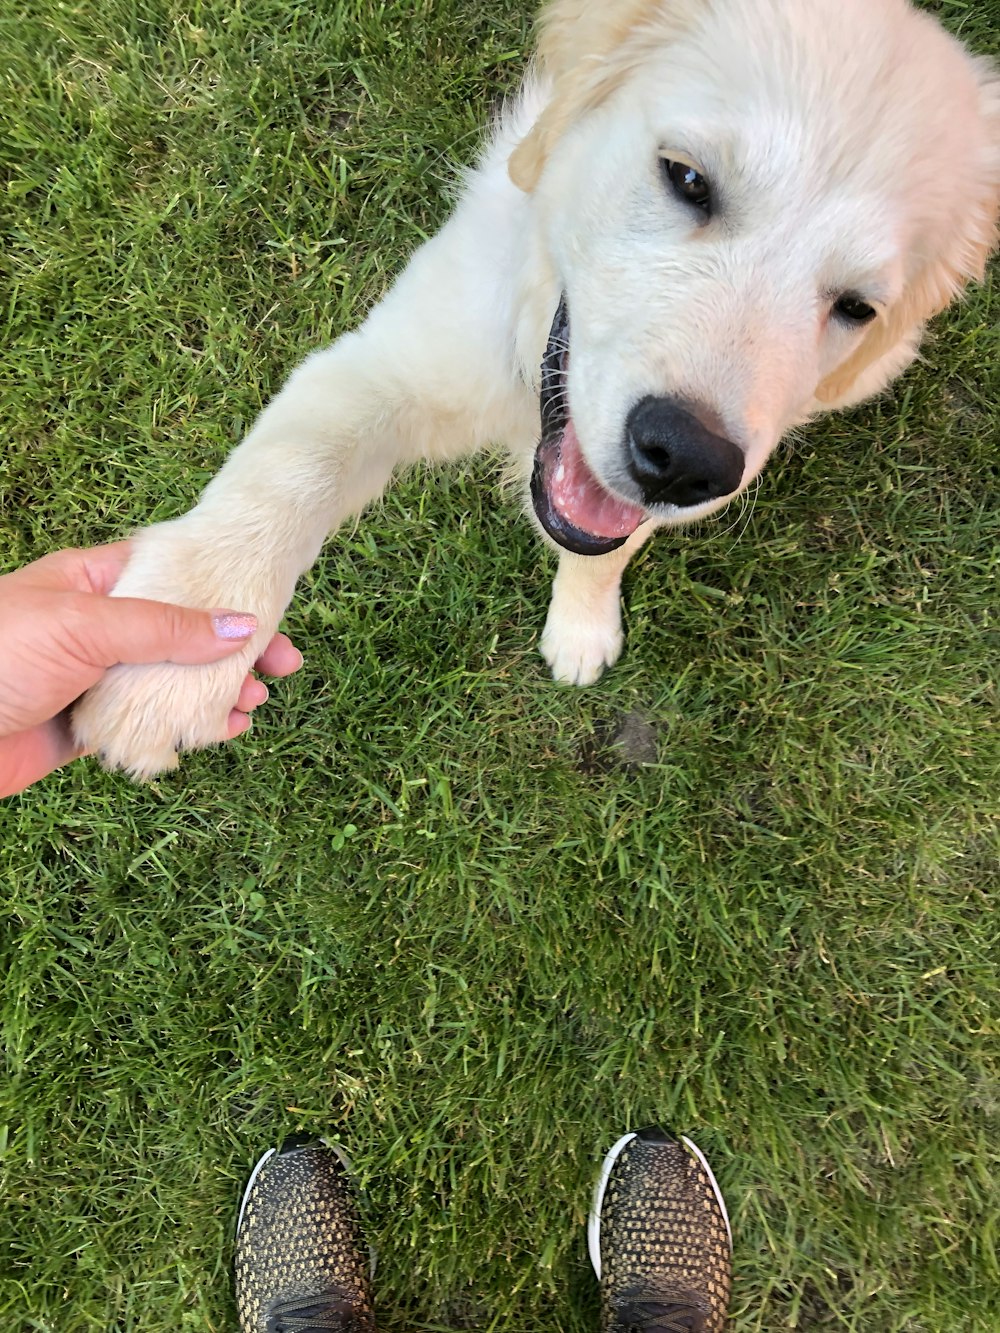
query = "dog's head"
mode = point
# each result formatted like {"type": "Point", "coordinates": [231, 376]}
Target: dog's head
{"type": "Point", "coordinates": [751, 208]}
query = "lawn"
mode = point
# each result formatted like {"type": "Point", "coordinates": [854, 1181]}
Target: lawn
{"type": "Point", "coordinates": [431, 906]}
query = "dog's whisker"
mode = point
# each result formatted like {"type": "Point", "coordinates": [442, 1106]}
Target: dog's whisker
{"type": "Point", "coordinates": [748, 502]}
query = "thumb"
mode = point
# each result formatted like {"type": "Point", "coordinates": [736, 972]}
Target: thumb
{"type": "Point", "coordinates": [133, 631]}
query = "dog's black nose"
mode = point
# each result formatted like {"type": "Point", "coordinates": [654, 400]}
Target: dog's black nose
{"type": "Point", "coordinates": [676, 460]}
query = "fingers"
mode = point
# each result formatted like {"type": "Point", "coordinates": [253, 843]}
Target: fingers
{"type": "Point", "coordinates": [252, 695]}
{"type": "Point", "coordinates": [129, 630]}
{"type": "Point", "coordinates": [134, 631]}
{"type": "Point", "coordinates": [238, 724]}
{"type": "Point", "coordinates": [280, 657]}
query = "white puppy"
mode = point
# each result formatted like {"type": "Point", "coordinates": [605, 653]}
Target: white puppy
{"type": "Point", "coordinates": [701, 223]}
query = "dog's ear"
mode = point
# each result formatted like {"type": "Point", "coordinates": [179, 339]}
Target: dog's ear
{"type": "Point", "coordinates": [959, 247]}
{"type": "Point", "coordinates": [585, 48]}
{"type": "Point", "coordinates": [574, 31]}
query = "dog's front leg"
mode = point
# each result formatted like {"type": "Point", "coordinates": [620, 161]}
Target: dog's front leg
{"type": "Point", "coordinates": [583, 630]}
{"type": "Point", "coordinates": [398, 389]}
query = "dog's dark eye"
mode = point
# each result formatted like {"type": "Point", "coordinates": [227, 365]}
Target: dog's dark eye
{"type": "Point", "coordinates": [688, 184]}
{"type": "Point", "coordinates": [852, 310]}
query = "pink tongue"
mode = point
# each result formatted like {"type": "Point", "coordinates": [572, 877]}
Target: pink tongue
{"type": "Point", "coordinates": [579, 498]}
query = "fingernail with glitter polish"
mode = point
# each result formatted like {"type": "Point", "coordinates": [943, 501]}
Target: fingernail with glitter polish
{"type": "Point", "coordinates": [234, 626]}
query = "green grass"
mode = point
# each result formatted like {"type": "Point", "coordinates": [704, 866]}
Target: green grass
{"type": "Point", "coordinates": [425, 907]}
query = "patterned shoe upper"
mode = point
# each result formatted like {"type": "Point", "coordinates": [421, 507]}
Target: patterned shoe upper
{"type": "Point", "coordinates": [329, 1314]}
{"type": "Point", "coordinates": [300, 1263]}
{"type": "Point", "coordinates": [666, 1257]}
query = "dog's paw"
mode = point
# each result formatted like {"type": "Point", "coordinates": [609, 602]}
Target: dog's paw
{"type": "Point", "coordinates": [137, 718]}
{"type": "Point", "coordinates": [579, 648]}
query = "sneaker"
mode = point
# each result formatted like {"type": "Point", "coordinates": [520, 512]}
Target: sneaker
{"type": "Point", "coordinates": [300, 1263]}
{"type": "Point", "coordinates": [659, 1239]}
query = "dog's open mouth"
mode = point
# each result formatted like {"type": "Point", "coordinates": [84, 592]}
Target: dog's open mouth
{"type": "Point", "coordinates": [571, 504]}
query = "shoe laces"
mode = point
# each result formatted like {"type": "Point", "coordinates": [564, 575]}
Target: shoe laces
{"type": "Point", "coordinates": [657, 1316]}
{"type": "Point", "coordinates": [331, 1313]}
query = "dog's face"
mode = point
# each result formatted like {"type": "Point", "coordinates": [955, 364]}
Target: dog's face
{"type": "Point", "coordinates": [751, 221]}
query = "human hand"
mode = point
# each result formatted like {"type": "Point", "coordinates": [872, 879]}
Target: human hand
{"type": "Point", "coordinates": [60, 632]}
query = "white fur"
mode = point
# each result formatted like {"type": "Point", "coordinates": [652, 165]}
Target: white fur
{"type": "Point", "coordinates": [841, 138]}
